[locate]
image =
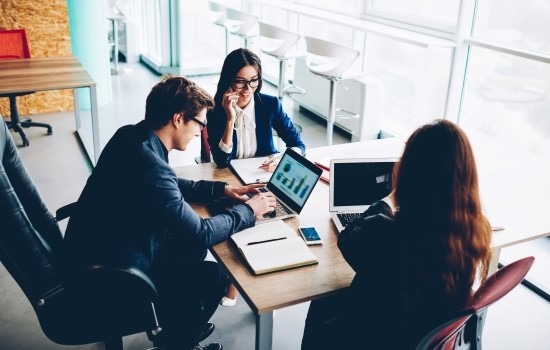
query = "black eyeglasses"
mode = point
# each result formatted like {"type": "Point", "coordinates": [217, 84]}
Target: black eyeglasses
{"type": "Point", "coordinates": [241, 83]}
{"type": "Point", "coordinates": [202, 124]}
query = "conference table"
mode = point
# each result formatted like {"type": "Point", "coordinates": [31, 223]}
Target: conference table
{"type": "Point", "coordinates": [521, 212]}
{"type": "Point", "coordinates": [54, 73]}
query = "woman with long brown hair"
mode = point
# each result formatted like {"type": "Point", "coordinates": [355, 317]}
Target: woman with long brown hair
{"type": "Point", "coordinates": [416, 253]}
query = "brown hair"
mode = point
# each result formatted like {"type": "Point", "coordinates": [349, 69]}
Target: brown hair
{"type": "Point", "coordinates": [437, 193]}
{"type": "Point", "coordinates": [173, 95]}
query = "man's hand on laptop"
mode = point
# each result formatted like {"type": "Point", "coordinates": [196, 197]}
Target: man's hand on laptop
{"type": "Point", "coordinates": [262, 203]}
{"type": "Point", "coordinates": [239, 193]}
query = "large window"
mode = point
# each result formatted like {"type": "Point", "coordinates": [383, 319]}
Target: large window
{"type": "Point", "coordinates": [420, 15]}
{"type": "Point", "coordinates": [508, 97]}
{"type": "Point", "coordinates": [415, 82]}
{"type": "Point", "coordinates": [523, 24]}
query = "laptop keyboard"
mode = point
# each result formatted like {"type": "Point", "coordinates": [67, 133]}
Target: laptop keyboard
{"type": "Point", "coordinates": [280, 210]}
{"type": "Point", "coordinates": [347, 218]}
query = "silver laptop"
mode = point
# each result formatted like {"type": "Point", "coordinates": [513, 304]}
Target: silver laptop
{"type": "Point", "coordinates": [292, 182]}
{"type": "Point", "coordinates": [355, 184]}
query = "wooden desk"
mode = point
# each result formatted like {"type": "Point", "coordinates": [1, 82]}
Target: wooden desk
{"type": "Point", "coordinates": [273, 291]}
{"type": "Point", "coordinates": [52, 73]}
{"type": "Point", "coordinates": [520, 206]}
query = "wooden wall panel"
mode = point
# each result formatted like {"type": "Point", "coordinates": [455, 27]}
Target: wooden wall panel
{"type": "Point", "coordinates": [47, 27]}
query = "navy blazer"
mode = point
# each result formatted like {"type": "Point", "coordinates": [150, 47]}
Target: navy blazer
{"type": "Point", "coordinates": [269, 116]}
{"type": "Point", "coordinates": [134, 208]}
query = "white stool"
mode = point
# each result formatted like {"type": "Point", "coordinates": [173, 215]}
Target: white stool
{"type": "Point", "coordinates": [330, 61]}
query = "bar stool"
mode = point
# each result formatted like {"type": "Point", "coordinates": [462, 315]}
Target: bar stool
{"type": "Point", "coordinates": [219, 18]}
{"type": "Point", "coordinates": [279, 43]}
{"type": "Point", "coordinates": [330, 61]}
{"type": "Point", "coordinates": [241, 24]}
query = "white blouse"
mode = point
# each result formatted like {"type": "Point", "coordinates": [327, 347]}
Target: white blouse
{"type": "Point", "coordinates": [245, 127]}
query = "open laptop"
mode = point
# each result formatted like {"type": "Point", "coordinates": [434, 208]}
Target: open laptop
{"type": "Point", "coordinates": [355, 184]}
{"type": "Point", "coordinates": [292, 182]}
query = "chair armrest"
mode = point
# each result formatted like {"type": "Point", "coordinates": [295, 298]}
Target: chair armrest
{"type": "Point", "coordinates": [65, 211]}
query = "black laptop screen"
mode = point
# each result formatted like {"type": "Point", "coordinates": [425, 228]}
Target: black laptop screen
{"type": "Point", "coordinates": [361, 183]}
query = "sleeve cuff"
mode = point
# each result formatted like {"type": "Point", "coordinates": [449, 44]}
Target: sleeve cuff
{"type": "Point", "coordinates": [225, 148]}
{"type": "Point", "coordinates": [218, 189]}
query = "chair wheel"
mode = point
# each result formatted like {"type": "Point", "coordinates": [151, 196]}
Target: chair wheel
{"type": "Point", "coordinates": [50, 131]}
{"type": "Point", "coordinates": [26, 142]}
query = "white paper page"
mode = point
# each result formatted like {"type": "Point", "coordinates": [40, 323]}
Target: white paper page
{"type": "Point", "coordinates": [266, 231]}
{"type": "Point", "coordinates": [247, 169]}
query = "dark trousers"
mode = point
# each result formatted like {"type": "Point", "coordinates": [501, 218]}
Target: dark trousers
{"type": "Point", "coordinates": [330, 324]}
{"type": "Point", "coordinates": [189, 294]}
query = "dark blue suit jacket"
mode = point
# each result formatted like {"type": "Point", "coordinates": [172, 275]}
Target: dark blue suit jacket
{"type": "Point", "coordinates": [269, 116]}
{"type": "Point", "coordinates": [134, 207]}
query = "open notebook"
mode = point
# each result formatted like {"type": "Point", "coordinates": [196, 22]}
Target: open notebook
{"type": "Point", "coordinates": [271, 247]}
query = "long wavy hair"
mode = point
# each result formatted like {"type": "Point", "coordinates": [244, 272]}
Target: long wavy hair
{"type": "Point", "coordinates": [437, 195]}
{"type": "Point", "coordinates": [233, 63]}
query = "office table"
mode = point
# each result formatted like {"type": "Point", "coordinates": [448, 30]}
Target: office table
{"type": "Point", "coordinates": [52, 73]}
{"type": "Point", "coordinates": [266, 293]}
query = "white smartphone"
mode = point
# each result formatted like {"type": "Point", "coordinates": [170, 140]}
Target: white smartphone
{"type": "Point", "coordinates": [310, 235]}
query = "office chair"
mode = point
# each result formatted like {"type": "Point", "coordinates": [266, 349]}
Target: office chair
{"type": "Point", "coordinates": [241, 24]}
{"type": "Point", "coordinates": [464, 330]}
{"type": "Point", "coordinates": [330, 61]}
{"type": "Point", "coordinates": [102, 305]}
{"type": "Point", "coordinates": [206, 156]}
{"type": "Point", "coordinates": [219, 18]}
{"type": "Point", "coordinates": [14, 45]}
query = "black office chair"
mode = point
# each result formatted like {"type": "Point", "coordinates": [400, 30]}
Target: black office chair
{"type": "Point", "coordinates": [103, 305]}
{"type": "Point", "coordinates": [14, 45]}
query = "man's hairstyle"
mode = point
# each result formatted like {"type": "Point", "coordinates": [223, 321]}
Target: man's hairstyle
{"type": "Point", "coordinates": [233, 63]}
{"type": "Point", "coordinates": [175, 95]}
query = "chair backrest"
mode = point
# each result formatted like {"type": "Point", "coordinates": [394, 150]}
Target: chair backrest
{"type": "Point", "coordinates": [217, 11]}
{"type": "Point", "coordinates": [327, 58]}
{"type": "Point", "coordinates": [13, 44]}
{"type": "Point", "coordinates": [29, 235]}
{"type": "Point", "coordinates": [240, 23]}
{"type": "Point", "coordinates": [464, 330]}
{"type": "Point", "coordinates": [206, 156]}
{"type": "Point", "coordinates": [29, 231]}
{"type": "Point", "coordinates": [276, 41]}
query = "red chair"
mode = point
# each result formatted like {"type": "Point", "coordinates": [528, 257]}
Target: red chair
{"type": "Point", "coordinates": [206, 156]}
{"type": "Point", "coordinates": [464, 330]}
{"type": "Point", "coordinates": [14, 45]}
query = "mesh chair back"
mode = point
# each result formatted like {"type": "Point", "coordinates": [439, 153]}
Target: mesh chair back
{"type": "Point", "coordinates": [13, 44]}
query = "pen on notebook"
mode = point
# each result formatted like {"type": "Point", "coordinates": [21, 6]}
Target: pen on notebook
{"type": "Point", "coordinates": [267, 240]}
{"type": "Point", "coordinates": [262, 180]}
{"type": "Point", "coordinates": [271, 160]}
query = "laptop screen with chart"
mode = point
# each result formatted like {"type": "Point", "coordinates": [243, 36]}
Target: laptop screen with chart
{"type": "Point", "coordinates": [292, 183]}
{"type": "Point", "coordinates": [355, 184]}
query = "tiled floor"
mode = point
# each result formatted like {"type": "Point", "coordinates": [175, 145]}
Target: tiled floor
{"type": "Point", "coordinates": [520, 321]}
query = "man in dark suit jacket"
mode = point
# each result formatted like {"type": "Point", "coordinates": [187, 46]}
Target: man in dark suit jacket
{"type": "Point", "coordinates": [134, 212]}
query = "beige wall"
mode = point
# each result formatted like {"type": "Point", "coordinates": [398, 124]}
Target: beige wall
{"type": "Point", "coordinates": [47, 27]}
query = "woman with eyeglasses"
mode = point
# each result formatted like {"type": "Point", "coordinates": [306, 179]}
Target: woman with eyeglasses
{"type": "Point", "coordinates": [241, 124]}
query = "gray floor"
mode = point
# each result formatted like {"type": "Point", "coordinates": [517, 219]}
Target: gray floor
{"type": "Point", "coordinates": [520, 321]}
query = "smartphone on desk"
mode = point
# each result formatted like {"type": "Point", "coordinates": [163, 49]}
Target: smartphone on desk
{"type": "Point", "coordinates": [310, 235]}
